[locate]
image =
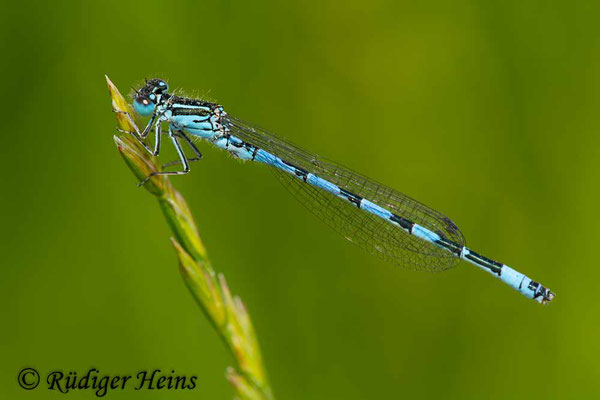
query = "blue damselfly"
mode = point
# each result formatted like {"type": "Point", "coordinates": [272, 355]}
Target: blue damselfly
{"type": "Point", "coordinates": [385, 222]}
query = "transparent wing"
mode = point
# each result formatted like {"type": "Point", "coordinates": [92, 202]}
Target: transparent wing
{"type": "Point", "coordinates": [372, 233]}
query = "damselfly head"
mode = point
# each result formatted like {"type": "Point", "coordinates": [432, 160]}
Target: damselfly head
{"type": "Point", "coordinates": [148, 96]}
{"type": "Point", "coordinates": [157, 86]}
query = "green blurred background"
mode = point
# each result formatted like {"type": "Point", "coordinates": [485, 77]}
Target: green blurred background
{"type": "Point", "coordinates": [487, 111]}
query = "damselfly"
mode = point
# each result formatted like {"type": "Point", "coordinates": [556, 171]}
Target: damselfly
{"type": "Point", "coordinates": [377, 218]}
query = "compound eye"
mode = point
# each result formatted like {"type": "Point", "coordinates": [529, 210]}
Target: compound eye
{"type": "Point", "coordinates": [143, 106]}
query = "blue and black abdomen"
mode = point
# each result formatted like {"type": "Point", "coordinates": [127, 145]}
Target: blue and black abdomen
{"type": "Point", "coordinates": [381, 220]}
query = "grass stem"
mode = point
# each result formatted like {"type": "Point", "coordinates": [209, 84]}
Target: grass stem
{"type": "Point", "coordinates": [226, 312]}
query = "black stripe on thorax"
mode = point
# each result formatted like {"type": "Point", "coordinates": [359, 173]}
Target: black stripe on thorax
{"type": "Point", "coordinates": [190, 111]}
{"type": "Point", "coordinates": [191, 102]}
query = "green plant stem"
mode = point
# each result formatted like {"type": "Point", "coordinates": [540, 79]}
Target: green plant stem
{"type": "Point", "coordinates": [226, 312]}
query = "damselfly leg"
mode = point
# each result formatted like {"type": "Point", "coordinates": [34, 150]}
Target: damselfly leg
{"type": "Point", "coordinates": [157, 135]}
{"type": "Point", "coordinates": [192, 145]}
{"type": "Point", "coordinates": [182, 159]}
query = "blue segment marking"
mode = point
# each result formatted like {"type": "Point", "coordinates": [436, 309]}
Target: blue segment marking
{"type": "Point", "coordinates": [323, 184]}
{"type": "Point", "coordinates": [425, 234]}
{"type": "Point", "coordinates": [375, 209]}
